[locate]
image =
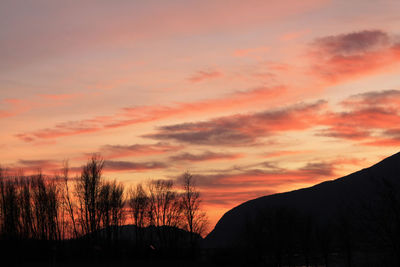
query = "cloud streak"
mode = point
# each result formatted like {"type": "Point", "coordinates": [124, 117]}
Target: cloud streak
{"type": "Point", "coordinates": [137, 115]}
{"type": "Point", "coordinates": [242, 129]}
{"type": "Point", "coordinates": [371, 118]}
{"type": "Point", "coordinates": [205, 156]}
{"type": "Point", "coordinates": [203, 75]}
{"type": "Point", "coordinates": [114, 166]}
{"type": "Point", "coordinates": [136, 150]}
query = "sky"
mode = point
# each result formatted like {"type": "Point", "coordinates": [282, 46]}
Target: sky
{"type": "Point", "coordinates": [252, 97]}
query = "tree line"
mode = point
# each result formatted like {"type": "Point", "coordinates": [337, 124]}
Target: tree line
{"type": "Point", "coordinates": [89, 207]}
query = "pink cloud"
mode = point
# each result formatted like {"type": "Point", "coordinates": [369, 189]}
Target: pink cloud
{"type": "Point", "coordinates": [347, 56]}
{"type": "Point", "coordinates": [290, 36]}
{"type": "Point", "coordinates": [203, 75]}
{"type": "Point", "coordinates": [242, 129]}
{"type": "Point", "coordinates": [370, 118]}
{"type": "Point", "coordinates": [20, 106]}
{"type": "Point", "coordinates": [14, 107]}
{"type": "Point", "coordinates": [285, 153]}
{"type": "Point", "coordinates": [115, 166]}
{"type": "Point", "coordinates": [136, 150]}
{"type": "Point", "coordinates": [131, 116]}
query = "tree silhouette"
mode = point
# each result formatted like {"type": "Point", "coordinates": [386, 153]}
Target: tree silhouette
{"type": "Point", "coordinates": [195, 220]}
{"type": "Point", "coordinates": [47, 216]}
{"type": "Point", "coordinates": [88, 189]}
{"type": "Point", "coordinates": [139, 208]}
{"type": "Point", "coordinates": [67, 198]}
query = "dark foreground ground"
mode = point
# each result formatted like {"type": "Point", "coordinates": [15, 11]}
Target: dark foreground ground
{"type": "Point", "coordinates": [116, 263]}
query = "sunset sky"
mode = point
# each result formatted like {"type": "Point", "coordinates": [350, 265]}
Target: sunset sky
{"type": "Point", "coordinates": [253, 97]}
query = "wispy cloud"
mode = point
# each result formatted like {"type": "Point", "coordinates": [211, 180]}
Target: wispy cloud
{"type": "Point", "coordinates": [17, 106]}
{"type": "Point", "coordinates": [282, 153]}
{"type": "Point", "coordinates": [13, 107]}
{"type": "Point", "coordinates": [132, 166]}
{"type": "Point", "coordinates": [28, 167]}
{"type": "Point", "coordinates": [205, 156]}
{"type": "Point", "coordinates": [371, 118]}
{"type": "Point", "coordinates": [203, 75]}
{"type": "Point", "coordinates": [136, 150]}
{"type": "Point", "coordinates": [242, 129]}
{"type": "Point", "coordinates": [137, 115]}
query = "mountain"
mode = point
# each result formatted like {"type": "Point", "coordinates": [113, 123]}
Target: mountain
{"type": "Point", "coordinates": [323, 202]}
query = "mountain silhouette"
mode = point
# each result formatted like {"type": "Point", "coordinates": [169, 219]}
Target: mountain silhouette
{"type": "Point", "coordinates": [323, 202]}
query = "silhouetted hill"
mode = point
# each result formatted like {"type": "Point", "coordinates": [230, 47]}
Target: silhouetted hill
{"type": "Point", "coordinates": [156, 237]}
{"type": "Point", "coordinates": [323, 202]}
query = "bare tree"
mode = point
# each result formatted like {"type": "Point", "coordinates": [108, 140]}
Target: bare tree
{"type": "Point", "coordinates": [2, 204]}
{"type": "Point", "coordinates": [26, 206]}
{"type": "Point", "coordinates": [10, 208]}
{"type": "Point", "coordinates": [164, 206]}
{"type": "Point", "coordinates": [116, 207]}
{"type": "Point", "coordinates": [88, 189]}
{"type": "Point", "coordinates": [104, 208]}
{"type": "Point", "coordinates": [195, 220]}
{"type": "Point", "coordinates": [69, 205]}
{"type": "Point", "coordinates": [117, 203]}
{"type": "Point", "coordinates": [139, 207]}
{"type": "Point", "coordinates": [110, 207]}
{"type": "Point", "coordinates": [46, 200]}
{"type": "Point", "coordinates": [138, 203]}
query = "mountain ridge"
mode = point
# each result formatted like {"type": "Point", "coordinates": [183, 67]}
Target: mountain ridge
{"type": "Point", "coordinates": [323, 200]}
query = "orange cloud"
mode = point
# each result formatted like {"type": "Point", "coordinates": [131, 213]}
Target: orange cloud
{"type": "Point", "coordinates": [15, 107]}
{"type": "Point", "coordinates": [290, 36]}
{"type": "Point", "coordinates": [389, 137]}
{"type": "Point", "coordinates": [389, 142]}
{"type": "Point", "coordinates": [285, 153]}
{"type": "Point", "coordinates": [371, 118]}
